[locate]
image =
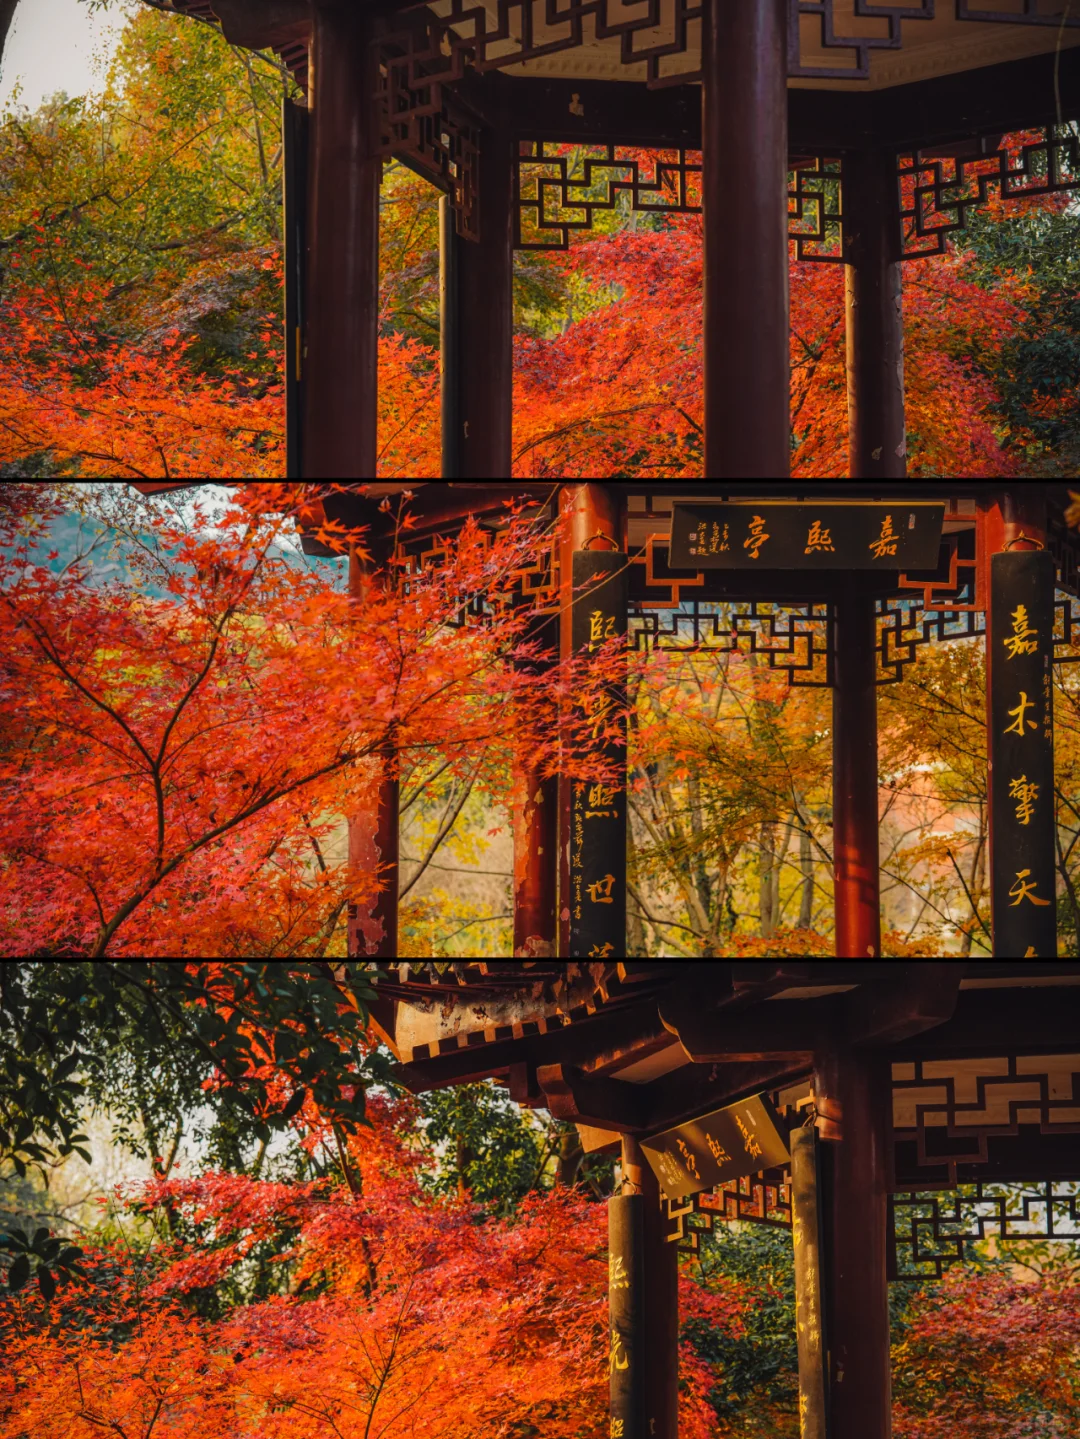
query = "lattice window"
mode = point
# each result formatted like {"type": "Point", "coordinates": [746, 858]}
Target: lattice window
{"type": "Point", "coordinates": [763, 1198]}
{"type": "Point", "coordinates": [939, 189]}
{"type": "Point", "coordinates": [561, 189]}
{"type": "Point", "coordinates": [815, 219]}
{"type": "Point", "coordinates": [934, 1229]}
{"type": "Point", "coordinates": [420, 125]}
{"type": "Point", "coordinates": [1066, 631]}
{"type": "Point", "coordinates": [858, 49]}
{"type": "Point", "coordinates": [1064, 544]}
{"type": "Point", "coordinates": [904, 627]}
{"type": "Point", "coordinates": [793, 639]}
{"type": "Point", "coordinates": [1009, 1112]}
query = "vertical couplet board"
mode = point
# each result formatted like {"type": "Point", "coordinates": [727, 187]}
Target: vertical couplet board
{"type": "Point", "coordinates": [597, 899]}
{"type": "Point", "coordinates": [626, 1357]}
{"type": "Point", "coordinates": [1021, 753]}
{"type": "Point", "coordinates": [809, 1305]}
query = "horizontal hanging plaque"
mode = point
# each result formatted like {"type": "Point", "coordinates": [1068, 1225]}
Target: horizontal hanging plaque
{"type": "Point", "coordinates": [735, 1141]}
{"type": "Point", "coordinates": [801, 536]}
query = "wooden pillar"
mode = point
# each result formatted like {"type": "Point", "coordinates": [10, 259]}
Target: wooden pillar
{"type": "Point", "coordinates": [592, 835]}
{"type": "Point", "coordinates": [341, 340]}
{"type": "Point", "coordinates": [856, 875]}
{"type": "Point", "coordinates": [744, 189]}
{"type": "Point", "coordinates": [659, 1392]}
{"type": "Point", "coordinates": [875, 317]}
{"type": "Point", "coordinates": [485, 321]}
{"type": "Point", "coordinates": [628, 1355]}
{"type": "Point", "coordinates": [809, 1298]}
{"type": "Point", "coordinates": [295, 141]}
{"type": "Point", "coordinates": [852, 1086]}
{"type": "Point", "coordinates": [374, 846]}
{"type": "Point", "coordinates": [449, 341]}
{"type": "Point", "coordinates": [1020, 711]}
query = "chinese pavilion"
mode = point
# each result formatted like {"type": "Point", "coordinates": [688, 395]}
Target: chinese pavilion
{"type": "Point", "coordinates": [887, 1113]}
{"type": "Point", "coordinates": [836, 586]}
{"type": "Point", "coordinates": [861, 132]}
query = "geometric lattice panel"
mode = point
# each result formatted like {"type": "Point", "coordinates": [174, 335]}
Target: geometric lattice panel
{"type": "Point", "coordinates": [939, 189]}
{"type": "Point", "coordinates": [790, 638]}
{"type": "Point", "coordinates": [933, 1229]}
{"type": "Point", "coordinates": [763, 1198]}
{"type": "Point", "coordinates": [1000, 1117]}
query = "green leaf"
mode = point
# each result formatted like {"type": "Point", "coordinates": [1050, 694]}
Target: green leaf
{"type": "Point", "coordinates": [46, 1283]}
{"type": "Point", "coordinates": [19, 1273]}
{"type": "Point", "coordinates": [294, 1104]}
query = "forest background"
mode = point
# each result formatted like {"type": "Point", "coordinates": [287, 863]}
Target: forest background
{"type": "Point", "coordinates": [191, 707]}
{"type": "Point", "coordinates": [297, 1247]}
{"type": "Point", "coordinates": [140, 307]}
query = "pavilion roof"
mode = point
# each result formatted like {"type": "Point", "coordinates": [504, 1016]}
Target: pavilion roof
{"type": "Point", "coordinates": [836, 48]}
{"type": "Point", "coordinates": [639, 1045]}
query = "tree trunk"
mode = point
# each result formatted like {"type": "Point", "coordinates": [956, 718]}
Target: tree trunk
{"type": "Point", "coordinates": [7, 14]}
{"type": "Point", "coordinates": [806, 864]}
{"type": "Point", "coordinates": [571, 1155]}
{"type": "Point", "coordinates": [637, 946]}
{"type": "Point", "coordinates": [977, 880]}
{"type": "Point", "coordinates": [766, 870]}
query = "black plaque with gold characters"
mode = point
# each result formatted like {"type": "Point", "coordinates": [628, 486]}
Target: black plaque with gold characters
{"type": "Point", "coordinates": [597, 898]}
{"type": "Point", "coordinates": [799, 536]}
{"type": "Point", "coordinates": [1021, 754]}
{"type": "Point", "coordinates": [728, 1144]}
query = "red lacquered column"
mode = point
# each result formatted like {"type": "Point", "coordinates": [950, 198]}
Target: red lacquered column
{"type": "Point", "coordinates": [744, 185]}
{"type": "Point", "coordinates": [856, 875]}
{"type": "Point", "coordinates": [875, 317]}
{"type": "Point", "coordinates": [342, 323]}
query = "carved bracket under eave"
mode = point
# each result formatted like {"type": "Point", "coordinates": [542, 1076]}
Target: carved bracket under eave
{"type": "Point", "coordinates": [263, 24]}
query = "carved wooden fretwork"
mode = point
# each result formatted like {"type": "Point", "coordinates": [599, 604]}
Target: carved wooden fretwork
{"type": "Point", "coordinates": [939, 188]}
{"type": "Point", "coordinates": [662, 41]}
{"type": "Point", "coordinates": [1000, 1117]}
{"type": "Point", "coordinates": [560, 190]}
{"type": "Point", "coordinates": [763, 1198]}
{"type": "Point", "coordinates": [935, 1228]}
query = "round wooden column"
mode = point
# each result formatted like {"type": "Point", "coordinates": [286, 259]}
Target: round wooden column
{"type": "Point", "coordinates": [877, 443]}
{"type": "Point", "coordinates": [853, 1086]}
{"type": "Point", "coordinates": [856, 874]}
{"type": "Point", "coordinates": [590, 520]}
{"type": "Point", "coordinates": [658, 1394]}
{"type": "Point", "coordinates": [341, 340]}
{"type": "Point", "coordinates": [485, 321]}
{"type": "Point", "coordinates": [449, 341]}
{"type": "Point", "coordinates": [374, 844]}
{"type": "Point", "coordinates": [744, 191]}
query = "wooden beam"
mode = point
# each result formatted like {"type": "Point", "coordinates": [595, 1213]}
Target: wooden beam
{"type": "Point", "coordinates": [597, 1041]}
{"type": "Point", "coordinates": [920, 997]}
{"type": "Point", "coordinates": [766, 1032]}
{"type": "Point", "coordinates": [647, 1108]}
{"type": "Point", "coordinates": [262, 24]}
{"type": "Point", "coordinates": [605, 1103]}
{"type": "Point", "coordinates": [988, 1021]}
{"type": "Point", "coordinates": [697, 1089]}
{"type": "Point", "coordinates": [995, 98]}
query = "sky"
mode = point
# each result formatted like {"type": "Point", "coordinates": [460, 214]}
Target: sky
{"type": "Point", "coordinates": [53, 45]}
